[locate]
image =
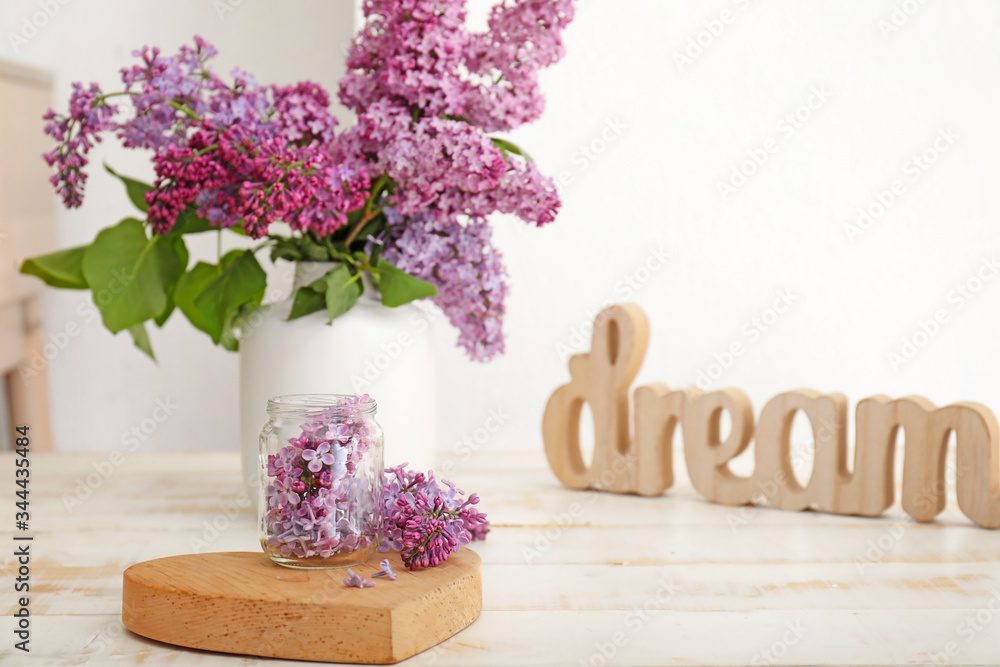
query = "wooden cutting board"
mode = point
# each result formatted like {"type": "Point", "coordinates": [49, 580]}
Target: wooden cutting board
{"type": "Point", "coordinates": [243, 603]}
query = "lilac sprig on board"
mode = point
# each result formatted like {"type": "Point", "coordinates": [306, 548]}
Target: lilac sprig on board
{"type": "Point", "coordinates": [315, 506]}
{"type": "Point", "coordinates": [426, 520]}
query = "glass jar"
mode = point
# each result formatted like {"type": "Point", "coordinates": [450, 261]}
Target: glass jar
{"type": "Point", "coordinates": [320, 502]}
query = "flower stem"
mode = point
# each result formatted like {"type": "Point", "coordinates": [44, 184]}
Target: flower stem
{"type": "Point", "coordinates": [182, 108]}
{"type": "Point", "coordinates": [369, 212]}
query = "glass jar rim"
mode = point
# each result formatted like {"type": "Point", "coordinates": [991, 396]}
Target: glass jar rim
{"type": "Point", "coordinates": [328, 404]}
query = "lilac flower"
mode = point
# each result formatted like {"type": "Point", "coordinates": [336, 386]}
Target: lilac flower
{"type": "Point", "coordinates": [467, 270]}
{"type": "Point", "coordinates": [315, 508]}
{"type": "Point", "coordinates": [356, 581]}
{"type": "Point", "coordinates": [524, 36]}
{"type": "Point", "coordinates": [318, 457]}
{"type": "Point", "coordinates": [77, 132]}
{"type": "Point", "coordinates": [302, 115]}
{"type": "Point", "coordinates": [426, 91]}
{"type": "Point", "coordinates": [425, 522]}
{"type": "Point", "coordinates": [385, 570]}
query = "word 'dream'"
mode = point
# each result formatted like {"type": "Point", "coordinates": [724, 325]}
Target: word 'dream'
{"type": "Point", "coordinates": [602, 378]}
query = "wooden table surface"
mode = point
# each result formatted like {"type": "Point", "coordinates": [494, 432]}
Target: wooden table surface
{"type": "Point", "coordinates": [570, 578]}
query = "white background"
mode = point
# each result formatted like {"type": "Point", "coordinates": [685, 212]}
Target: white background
{"type": "Point", "coordinates": [641, 140]}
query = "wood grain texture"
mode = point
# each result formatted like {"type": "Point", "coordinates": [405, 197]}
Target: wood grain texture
{"type": "Point", "coordinates": [241, 602]}
{"type": "Point", "coordinates": [601, 378]}
{"type": "Point", "coordinates": [563, 571]}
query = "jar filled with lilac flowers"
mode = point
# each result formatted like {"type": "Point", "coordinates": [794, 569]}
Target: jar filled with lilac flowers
{"type": "Point", "coordinates": [321, 480]}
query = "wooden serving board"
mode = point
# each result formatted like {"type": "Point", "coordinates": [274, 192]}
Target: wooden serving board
{"type": "Point", "coordinates": [243, 603]}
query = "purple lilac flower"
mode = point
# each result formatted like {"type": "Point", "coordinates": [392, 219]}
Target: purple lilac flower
{"type": "Point", "coordinates": [385, 570]}
{"type": "Point", "coordinates": [426, 522]}
{"type": "Point", "coordinates": [76, 133]}
{"type": "Point", "coordinates": [426, 91]}
{"type": "Point", "coordinates": [245, 155]}
{"type": "Point", "coordinates": [315, 507]}
{"type": "Point", "coordinates": [467, 270]}
{"type": "Point", "coordinates": [354, 580]}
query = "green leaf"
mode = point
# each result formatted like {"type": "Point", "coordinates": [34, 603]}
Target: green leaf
{"type": "Point", "coordinates": [168, 310]}
{"type": "Point", "coordinates": [130, 274]}
{"type": "Point", "coordinates": [312, 250]}
{"type": "Point", "coordinates": [399, 287]}
{"type": "Point", "coordinates": [511, 147]}
{"type": "Point", "coordinates": [58, 269]}
{"type": "Point", "coordinates": [228, 339]}
{"type": "Point", "coordinates": [141, 339]}
{"type": "Point", "coordinates": [135, 189]}
{"type": "Point", "coordinates": [286, 249]}
{"type": "Point", "coordinates": [342, 291]}
{"type": "Point", "coordinates": [307, 301]}
{"type": "Point", "coordinates": [183, 256]}
{"type": "Point", "coordinates": [190, 287]}
{"type": "Point", "coordinates": [241, 281]}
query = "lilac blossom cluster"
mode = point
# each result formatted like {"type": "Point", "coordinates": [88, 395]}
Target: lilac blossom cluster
{"type": "Point", "coordinates": [426, 520]}
{"type": "Point", "coordinates": [315, 505]}
{"type": "Point", "coordinates": [426, 91]}
{"type": "Point", "coordinates": [467, 269]}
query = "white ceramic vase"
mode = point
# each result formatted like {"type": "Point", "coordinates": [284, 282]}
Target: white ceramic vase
{"type": "Point", "coordinates": [384, 352]}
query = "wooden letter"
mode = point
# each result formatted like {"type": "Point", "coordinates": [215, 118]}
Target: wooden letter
{"type": "Point", "coordinates": [773, 473]}
{"type": "Point", "coordinates": [978, 463]}
{"type": "Point", "coordinates": [601, 378]}
{"type": "Point", "coordinates": [707, 458]}
{"type": "Point", "coordinates": [657, 412]}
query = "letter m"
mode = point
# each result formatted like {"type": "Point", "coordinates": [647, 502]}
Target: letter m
{"type": "Point", "coordinates": [869, 490]}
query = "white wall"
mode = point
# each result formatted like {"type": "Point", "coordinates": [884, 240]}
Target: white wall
{"type": "Point", "coordinates": [673, 134]}
{"type": "Point", "coordinates": [685, 129]}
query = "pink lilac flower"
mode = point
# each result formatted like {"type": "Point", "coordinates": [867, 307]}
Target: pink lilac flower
{"type": "Point", "coordinates": [408, 50]}
{"type": "Point", "coordinates": [523, 37]}
{"type": "Point", "coordinates": [301, 113]}
{"type": "Point", "coordinates": [522, 191]}
{"type": "Point", "coordinates": [354, 580]}
{"type": "Point", "coordinates": [467, 270]}
{"type": "Point", "coordinates": [426, 522]}
{"type": "Point", "coordinates": [420, 54]}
